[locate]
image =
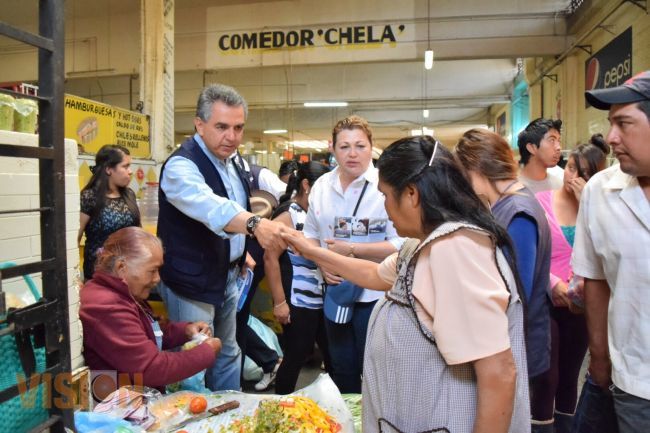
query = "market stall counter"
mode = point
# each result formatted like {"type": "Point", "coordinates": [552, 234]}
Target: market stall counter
{"type": "Point", "coordinates": [318, 408]}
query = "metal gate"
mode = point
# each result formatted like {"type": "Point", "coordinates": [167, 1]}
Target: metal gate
{"type": "Point", "coordinates": [45, 322]}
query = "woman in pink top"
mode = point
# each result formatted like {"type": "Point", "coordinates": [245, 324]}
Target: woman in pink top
{"type": "Point", "coordinates": [568, 330]}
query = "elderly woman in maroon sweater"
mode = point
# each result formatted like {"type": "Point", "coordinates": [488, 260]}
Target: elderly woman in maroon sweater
{"type": "Point", "coordinates": [121, 332]}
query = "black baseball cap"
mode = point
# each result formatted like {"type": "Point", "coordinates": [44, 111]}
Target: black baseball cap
{"type": "Point", "coordinates": [636, 89]}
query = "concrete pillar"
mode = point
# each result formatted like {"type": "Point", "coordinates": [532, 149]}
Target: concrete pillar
{"type": "Point", "coordinates": [535, 91]}
{"type": "Point", "coordinates": [157, 73]}
{"type": "Point", "coordinates": [572, 102]}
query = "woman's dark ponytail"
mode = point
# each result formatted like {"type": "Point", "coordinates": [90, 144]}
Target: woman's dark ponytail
{"type": "Point", "coordinates": [292, 186]}
{"type": "Point", "coordinates": [307, 170]}
{"type": "Point", "coordinates": [599, 141]}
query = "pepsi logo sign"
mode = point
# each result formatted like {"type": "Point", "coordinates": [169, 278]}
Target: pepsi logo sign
{"type": "Point", "coordinates": [593, 71]}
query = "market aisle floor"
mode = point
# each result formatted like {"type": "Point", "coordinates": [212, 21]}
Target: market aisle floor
{"type": "Point", "coordinates": [308, 374]}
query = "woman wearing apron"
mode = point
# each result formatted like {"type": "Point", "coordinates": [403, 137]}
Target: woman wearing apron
{"type": "Point", "coordinates": [445, 347]}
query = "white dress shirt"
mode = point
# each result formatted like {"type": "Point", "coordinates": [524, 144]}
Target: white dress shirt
{"type": "Point", "coordinates": [185, 188]}
{"type": "Point", "coordinates": [270, 182]}
{"type": "Point", "coordinates": [267, 180]}
{"type": "Point", "coordinates": [329, 203]}
{"type": "Point", "coordinates": [613, 243]}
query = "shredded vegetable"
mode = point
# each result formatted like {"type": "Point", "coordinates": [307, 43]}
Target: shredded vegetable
{"type": "Point", "coordinates": [291, 415]}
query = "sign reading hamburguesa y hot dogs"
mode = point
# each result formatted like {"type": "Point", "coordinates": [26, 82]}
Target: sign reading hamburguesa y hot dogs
{"type": "Point", "coordinates": [93, 124]}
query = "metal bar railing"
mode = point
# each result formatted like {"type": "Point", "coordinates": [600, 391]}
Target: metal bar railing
{"type": "Point", "coordinates": [26, 37]}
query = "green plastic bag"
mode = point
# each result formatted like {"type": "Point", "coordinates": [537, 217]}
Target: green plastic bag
{"type": "Point", "coordinates": [6, 112]}
{"type": "Point", "coordinates": [25, 116]}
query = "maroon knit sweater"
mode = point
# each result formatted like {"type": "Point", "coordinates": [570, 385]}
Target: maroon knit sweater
{"type": "Point", "coordinates": [117, 335]}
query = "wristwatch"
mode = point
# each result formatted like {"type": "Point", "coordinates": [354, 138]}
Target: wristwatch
{"type": "Point", "coordinates": [251, 224]}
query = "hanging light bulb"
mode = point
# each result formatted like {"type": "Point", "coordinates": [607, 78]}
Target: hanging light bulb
{"type": "Point", "coordinates": [425, 113]}
{"type": "Point", "coordinates": [428, 59]}
{"type": "Point", "coordinates": [428, 54]}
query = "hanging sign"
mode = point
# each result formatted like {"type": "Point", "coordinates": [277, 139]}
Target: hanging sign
{"type": "Point", "coordinates": [304, 38]}
{"type": "Point", "coordinates": [93, 124]}
{"type": "Point", "coordinates": [311, 44]}
{"type": "Point", "coordinates": [611, 66]}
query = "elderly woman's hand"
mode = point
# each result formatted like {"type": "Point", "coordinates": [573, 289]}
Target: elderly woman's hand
{"type": "Point", "coordinates": [214, 343]}
{"type": "Point", "coordinates": [197, 328]}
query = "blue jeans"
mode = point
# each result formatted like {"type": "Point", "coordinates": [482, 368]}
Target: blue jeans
{"type": "Point", "coordinates": [633, 412]}
{"type": "Point", "coordinates": [224, 374]}
{"type": "Point", "coordinates": [347, 343]}
{"type": "Point", "coordinates": [595, 411]}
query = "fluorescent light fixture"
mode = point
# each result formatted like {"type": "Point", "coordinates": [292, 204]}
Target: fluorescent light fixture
{"type": "Point", "coordinates": [274, 131]}
{"type": "Point", "coordinates": [428, 59]}
{"type": "Point", "coordinates": [309, 144]}
{"type": "Point", "coordinates": [425, 113]}
{"type": "Point", "coordinates": [326, 104]}
{"type": "Point", "coordinates": [423, 131]}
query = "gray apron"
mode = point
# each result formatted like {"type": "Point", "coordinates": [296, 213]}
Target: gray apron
{"type": "Point", "coordinates": [407, 385]}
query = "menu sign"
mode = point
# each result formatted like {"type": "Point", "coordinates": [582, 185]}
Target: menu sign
{"type": "Point", "coordinates": [93, 124]}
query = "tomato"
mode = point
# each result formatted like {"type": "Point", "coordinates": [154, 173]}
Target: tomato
{"type": "Point", "coordinates": [198, 405]}
{"type": "Point", "coordinates": [288, 403]}
{"type": "Point", "coordinates": [335, 427]}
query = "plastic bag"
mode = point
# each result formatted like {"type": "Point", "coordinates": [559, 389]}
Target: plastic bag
{"type": "Point", "coordinates": [6, 112]}
{"type": "Point", "coordinates": [130, 404]}
{"type": "Point", "coordinates": [173, 409]}
{"type": "Point", "coordinates": [253, 371]}
{"type": "Point", "coordinates": [194, 383]}
{"type": "Point", "coordinates": [25, 116]}
{"type": "Point", "coordinates": [90, 422]}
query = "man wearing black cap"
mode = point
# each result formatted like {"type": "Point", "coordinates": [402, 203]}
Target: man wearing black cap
{"type": "Point", "coordinates": [611, 251]}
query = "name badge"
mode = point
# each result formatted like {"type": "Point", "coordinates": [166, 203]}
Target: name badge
{"type": "Point", "coordinates": [355, 229]}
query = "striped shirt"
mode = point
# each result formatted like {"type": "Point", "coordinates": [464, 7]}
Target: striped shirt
{"type": "Point", "coordinates": [307, 284]}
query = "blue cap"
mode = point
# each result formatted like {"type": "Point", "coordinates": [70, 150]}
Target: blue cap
{"type": "Point", "coordinates": [339, 301]}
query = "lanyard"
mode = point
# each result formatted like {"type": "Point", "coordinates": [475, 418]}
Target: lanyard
{"type": "Point", "coordinates": [155, 326]}
{"type": "Point", "coordinates": [158, 334]}
{"type": "Point", "coordinates": [363, 191]}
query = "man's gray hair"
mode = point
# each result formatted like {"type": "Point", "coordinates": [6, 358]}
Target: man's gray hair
{"type": "Point", "coordinates": [215, 93]}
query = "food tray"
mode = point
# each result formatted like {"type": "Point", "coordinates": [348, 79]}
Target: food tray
{"type": "Point", "coordinates": [323, 391]}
